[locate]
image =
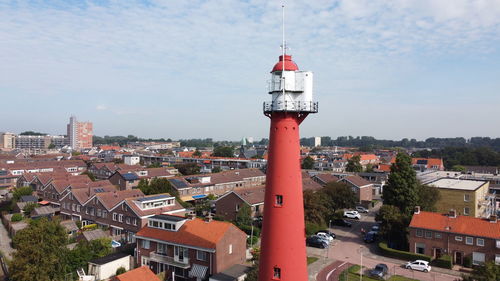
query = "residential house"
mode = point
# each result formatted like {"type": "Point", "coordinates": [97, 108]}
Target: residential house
{"type": "Point", "coordinates": [105, 170]}
{"type": "Point", "coordinates": [427, 164]}
{"type": "Point", "coordinates": [467, 197]}
{"type": "Point", "coordinates": [460, 237]}
{"type": "Point", "coordinates": [105, 267]}
{"type": "Point", "coordinates": [228, 205]}
{"type": "Point", "coordinates": [360, 186]}
{"type": "Point", "coordinates": [142, 273]}
{"type": "Point", "coordinates": [324, 178]}
{"type": "Point", "coordinates": [128, 178]}
{"type": "Point", "coordinates": [191, 248]}
{"type": "Point", "coordinates": [199, 186]}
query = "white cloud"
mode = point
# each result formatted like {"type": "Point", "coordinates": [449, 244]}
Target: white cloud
{"type": "Point", "coordinates": [101, 107]}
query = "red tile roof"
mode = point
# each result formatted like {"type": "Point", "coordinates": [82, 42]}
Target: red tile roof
{"type": "Point", "coordinates": [142, 273]}
{"type": "Point", "coordinates": [195, 232]}
{"type": "Point", "coordinates": [110, 199]}
{"type": "Point", "coordinates": [356, 180]}
{"type": "Point", "coordinates": [430, 161]}
{"type": "Point", "coordinates": [461, 224]}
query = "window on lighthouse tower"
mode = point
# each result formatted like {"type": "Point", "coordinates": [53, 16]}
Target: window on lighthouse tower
{"type": "Point", "coordinates": [277, 273]}
{"type": "Point", "coordinates": [279, 201]}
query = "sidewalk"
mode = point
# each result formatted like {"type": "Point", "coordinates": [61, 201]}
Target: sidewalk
{"type": "Point", "coordinates": [314, 268]}
{"type": "Point", "coordinates": [367, 253]}
{"type": "Point", "coordinates": [5, 242]}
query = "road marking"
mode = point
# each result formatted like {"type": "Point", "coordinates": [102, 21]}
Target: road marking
{"type": "Point", "coordinates": [330, 273]}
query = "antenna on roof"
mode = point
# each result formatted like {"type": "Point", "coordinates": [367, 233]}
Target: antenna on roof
{"type": "Point", "coordinates": [283, 49]}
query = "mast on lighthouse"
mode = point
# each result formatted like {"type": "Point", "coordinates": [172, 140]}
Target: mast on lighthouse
{"type": "Point", "coordinates": [283, 249]}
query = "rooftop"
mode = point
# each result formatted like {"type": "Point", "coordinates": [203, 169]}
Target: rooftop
{"type": "Point", "coordinates": [459, 184]}
{"type": "Point", "coordinates": [142, 273]}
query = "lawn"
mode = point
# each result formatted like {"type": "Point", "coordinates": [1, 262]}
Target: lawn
{"type": "Point", "coordinates": [311, 260]}
{"type": "Point", "coordinates": [351, 274]}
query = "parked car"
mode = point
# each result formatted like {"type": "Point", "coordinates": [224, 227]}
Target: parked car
{"type": "Point", "coordinates": [324, 238]}
{"type": "Point", "coordinates": [370, 237]}
{"type": "Point", "coordinates": [352, 215]}
{"type": "Point", "coordinates": [418, 265]}
{"type": "Point", "coordinates": [315, 241]}
{"type": "Point", "coordinates": [341, 222]}
{"type": "Point", "coordinates": [328, 235]}
{"type": "Point", "coordinates": [361, 209]}
{"type": "Point", "coordinates": [379, 271]}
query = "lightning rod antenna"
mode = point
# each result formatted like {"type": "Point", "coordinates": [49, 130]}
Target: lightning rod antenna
{"type": "Point", "coordinates": [283, 47]}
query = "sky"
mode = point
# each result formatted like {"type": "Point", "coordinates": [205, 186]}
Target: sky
{"type": "Point", "coordinates": [197, 69]}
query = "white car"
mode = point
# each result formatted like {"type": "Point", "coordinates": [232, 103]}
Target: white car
{"type": "Point", "coordinates": [418, 265]}
{"type": "Point", "coordinates": [325, 236]}
{"type": "Point", "coordinates": [352, 215]}
{"type": "Point", "coordinates": [361, 209]}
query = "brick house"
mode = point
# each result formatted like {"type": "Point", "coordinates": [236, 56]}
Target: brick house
{"type": "Point", "coordinates": [228, 205]}
{"type": "Point", "coordinates": [436, 234]}
{"type": "Point", "coordinates": [199, 186]}
{"type": "Point", "coordinates": [360, 186]}
{"type": "Point", "coordinates": [325, 178]}
{"type": "Point", "coordinates": [191, 248]}
{"type": "Point", "coordinates": [129, 178]}
{"type": "Point", "coordinates": [105, 170]}
{"type": "Point", "coordinates": [427, 164]}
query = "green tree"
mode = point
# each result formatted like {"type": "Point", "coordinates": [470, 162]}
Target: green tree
{"type": "Point", "coordinates": [223, 151]}
{"type": "Point", "coordinates": [216, 169]}
{"type": "Point", "coordinates": [155, 165]}
{"type": "Point", "coordinates": [244, 216]}
{"type": "Point", "coordinates": [315, 210]}
{"type": "Point", "coordinates": [393, 225]}
{"type": "Point", "coordinates": [157, 186]}
{"type": "Point", "coordinates": [308, 163]}
{"type": "Point", "coordinates": [188, 168]}
{"type": "Point", "coordinates": [354, 165]}
{"type": "Point", "coordinates": [458, 168]}
{"type": "Point", "coordinates": [197, 153]}
{"type": "Point", "coordinates": [369, 168]}
{"type": "Point", "coordinates": [51, 146]}
{"type": "Point", "coordinates": [16, 217]}
{"type": "Point", "coordinates": [428, 196]}
{"type": "Point", "coordinates": [402, 184]}
{"type": "Point", "coordinates": [21, 191]}
{"type": "Point", "coordinates": [120, 270]}
{"type": "Point", "coordinates": [28, 208]}
{"type": "Point", "coordinates": [339, 196]}
{"type": "Point", "coordinates": [487, 272]}
{"type": "Point", "coordinates": [39, 250]}
{"type": "Point", "coordinates": [84, 252]}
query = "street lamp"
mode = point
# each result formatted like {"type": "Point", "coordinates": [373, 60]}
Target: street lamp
{"type": "Point", "coordinates": [361, 269]}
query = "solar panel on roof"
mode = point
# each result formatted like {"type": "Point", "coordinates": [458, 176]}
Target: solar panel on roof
{"type": "Point", "coordinates": [98, 190]}
{"type": "Point", "coordinates": [178, 183]}
{"type": "Point", "coordinates": [422, 162]}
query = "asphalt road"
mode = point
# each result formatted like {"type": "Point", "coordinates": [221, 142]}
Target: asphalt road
{"type": "Point", "coordinates": [349, 248]}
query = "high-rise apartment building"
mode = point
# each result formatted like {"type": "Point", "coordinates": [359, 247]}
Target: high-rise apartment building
{"type": "Point", "coordinates": [7, 140]}
{"type": "Point", "coordinates": [79, 134]}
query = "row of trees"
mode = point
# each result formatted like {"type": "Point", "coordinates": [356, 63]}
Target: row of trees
{"type": "Point", "coordinates": [368, 142]}
{"type": "Point", "coordinates": [460, 156]}
{"type": "Point", "coordinates": [42, 254]}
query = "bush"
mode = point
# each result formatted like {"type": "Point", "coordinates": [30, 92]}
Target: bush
{"type": "Point", "coordinates": [252, 240]}
{"type": "Point", "coordinates": [312, 228]}
{"type": "Point", "coordinates": [386, 251]}
{"type": "Point", "coordinates": [248, 230]}
{"type": "Point", "coordinates": [16, 217]}
{"type": "Point", "coordinates": [444, 262]}
{"type": "Point", "coordinates": [120, 270]}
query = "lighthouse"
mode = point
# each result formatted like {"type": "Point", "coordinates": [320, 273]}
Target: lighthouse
{"type": "Point", "coordinates": [283, 248]}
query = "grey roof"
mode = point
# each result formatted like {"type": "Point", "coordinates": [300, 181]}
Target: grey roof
{"type": "Point", "coordinates": [28, 198]}
{"type": "Point", "coordinates": [94, 234]}
{"type": "Point", "coordinates": [231, 274]}
{"type": "Point", "coordinates": [168, 217]}
{"type": "Point", "coordinates": [44, 210]}
{"type": "Point", "coordinates": [69, 225]}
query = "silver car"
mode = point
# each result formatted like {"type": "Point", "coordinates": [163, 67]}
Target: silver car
{"type": "Point", "coordinates": [418, 265]}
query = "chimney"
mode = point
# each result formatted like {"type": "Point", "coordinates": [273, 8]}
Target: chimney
{"type": "Point", "coordinates": [453, 213]}
{"type": "Point", "coordinates": [417, 210]}
{"type": "Point", "coordinates": [493, 218]}
{"type": "Point", "coordinates": [192, 215]}
{"type": "Point", "coordinates": [209, 217]}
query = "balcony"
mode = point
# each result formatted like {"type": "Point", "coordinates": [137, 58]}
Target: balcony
{"type": "Point", "coordinates": [184, 263]}
{"type": "Point", "coordinates": [290, 106]}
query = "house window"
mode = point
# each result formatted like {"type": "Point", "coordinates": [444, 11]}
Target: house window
{"type": "Point", "coordinates": [127, 220]}
{"type": "Point", "coordinates": [99, 212]}
{"type": "Point", "coordinates": [201, 256]}
{"type": "Point", "coordinates": [466, 211]}
{"type": "Point", "coordinates": [498, 243]}
{"type": "Point", "coordinates": [469, 240]}
{"type": "Point", "coordinates": [134, 221]}
{"type": "Point", "coordinates": [115, 216]}
{"type": "Point", "coordinates": [162, 249]}
{"type": "Point", "coordinates": [419, 233]}
{"type": "Point", "coordinates": [230, 248]}
{"type": "Point", "coordinates": [497, 259]}
{"type": "Point", "coordinates": [120, 218]}
{"type": "Point", "coordinates": [428, 234]}
{"type": "Point", "coordinates": [477, 258]}
{"type": "Point", "coordinates": [437, 235]}
{"type": "Point", "coordinates": [78, 208]}
{"type": "Point", "coordinates": [104, 214]}
{"type": "Point", "coordinates": [145, 244]}
{"type": "Point", "coordinates": [420, 248]}
{"type": "Point", "coordinates": [237, 207]}
{"type": "Point", "coordinates": [145, 261]}
{"type": "Point", "coordinates": [480, 242]}
{"type": "Point", "coordinates": [458, 238]}
{"type": "Point", "coordinates": [277, 273]}
{"type": "Point", "coordinates": [279, 201]}
{"type": "Point", "coordinates": [466, 197]}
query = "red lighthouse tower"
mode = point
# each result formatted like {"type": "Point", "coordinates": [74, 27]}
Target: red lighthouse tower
{"type": "Point", "coordinates": [283, 248]}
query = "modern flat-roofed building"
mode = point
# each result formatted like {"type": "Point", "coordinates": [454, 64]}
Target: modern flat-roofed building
{"type": "Point", "coordinates": [467, 197]}
{"type": "Point", "coordinates": [7, 140]}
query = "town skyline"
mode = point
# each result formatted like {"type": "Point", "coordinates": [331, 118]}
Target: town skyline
{"type": "Point", "coordinates": [412, 69]}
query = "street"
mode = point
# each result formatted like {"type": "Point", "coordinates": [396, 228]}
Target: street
{"type": "Point", "coordinates": [349, 247]}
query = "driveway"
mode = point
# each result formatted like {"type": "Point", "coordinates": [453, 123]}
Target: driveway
{"type": "Point", "coordinates": [350, 248]}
